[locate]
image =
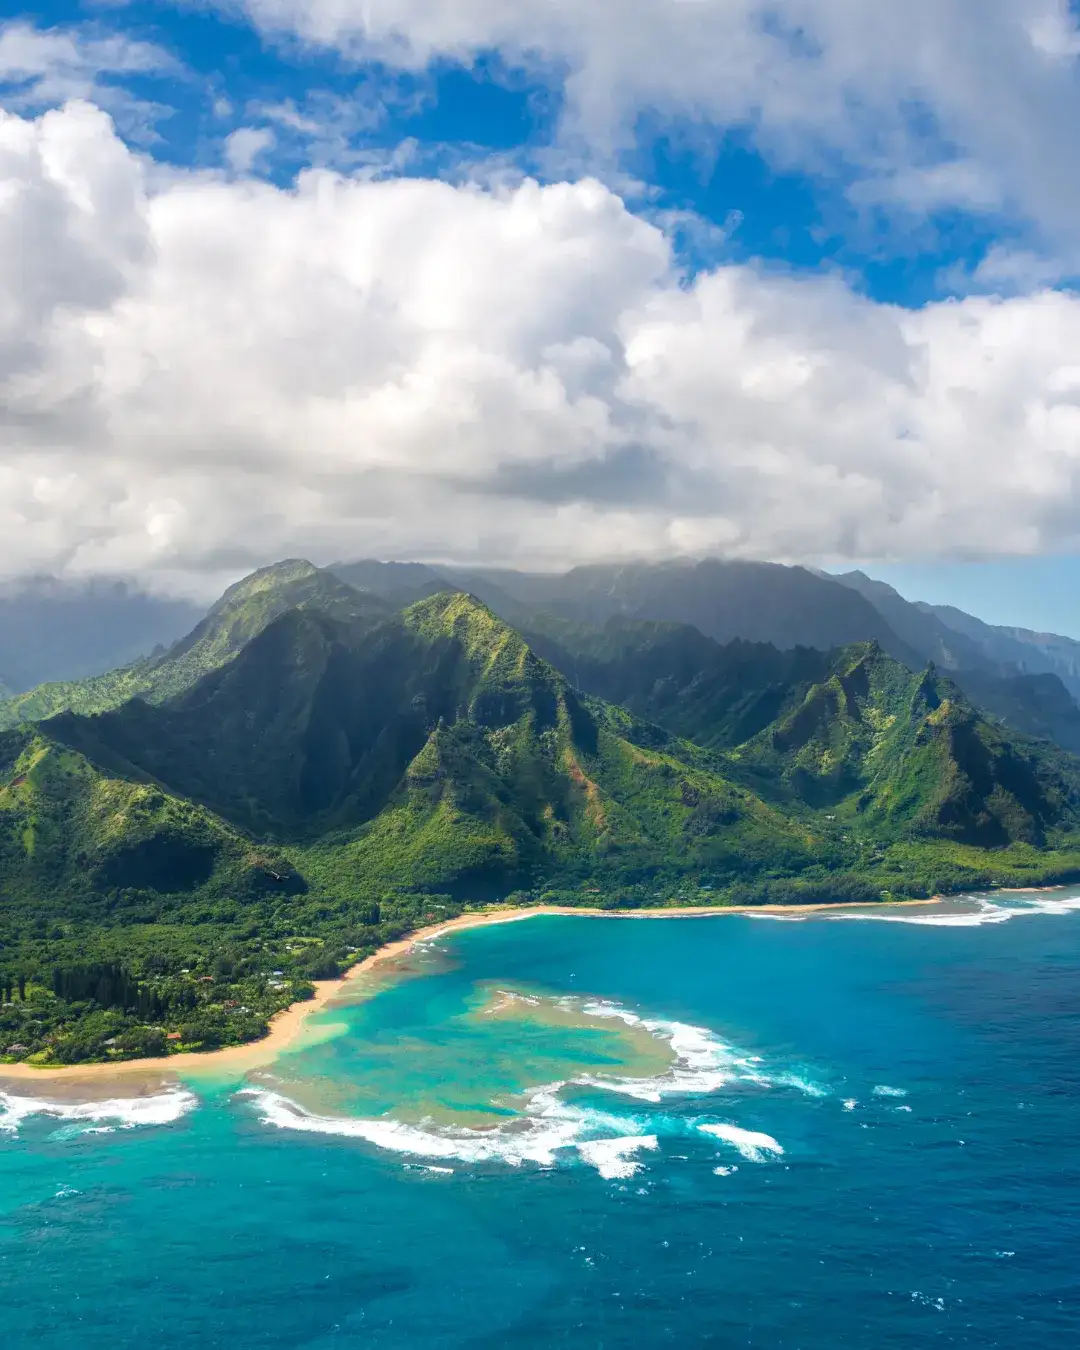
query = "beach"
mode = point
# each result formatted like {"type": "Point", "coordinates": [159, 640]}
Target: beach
{"type": "Point", "coordinates": [287, 1026]}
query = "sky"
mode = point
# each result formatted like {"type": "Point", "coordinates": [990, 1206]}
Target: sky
{"type": "Point", "coordinates": [537, 282]}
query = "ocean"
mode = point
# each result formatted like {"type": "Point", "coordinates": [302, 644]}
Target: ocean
{"type": "Point", "coordinates": [849, 1129]}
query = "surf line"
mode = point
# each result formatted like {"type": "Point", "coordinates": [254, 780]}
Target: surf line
{"type": "Point", "coordinates": [286, 1028]}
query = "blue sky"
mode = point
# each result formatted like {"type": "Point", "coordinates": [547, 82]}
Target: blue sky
{"type": "Point", "coordinates": [230, 76]}
{"type": "Point", "coordinates": [788, 280]}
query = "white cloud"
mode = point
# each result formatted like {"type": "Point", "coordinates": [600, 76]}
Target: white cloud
{"type": "Point", "coordinates": [199, 374]}
{"type": "Point", "coordinates": [244, 146]}
{"type": "Point", "coordinates": [43, 67]}
{"type": "Point", "coordinates": [899, 89]}
{"type": "Point", "coordinates": [924, 189]}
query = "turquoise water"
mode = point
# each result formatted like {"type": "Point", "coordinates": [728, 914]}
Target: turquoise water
{"type": "Point", "coordinates": [598, 1133]}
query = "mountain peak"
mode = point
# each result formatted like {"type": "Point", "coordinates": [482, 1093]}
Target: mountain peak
{"type": "Point", "coordinates": [283, 573]}
{"type": "Point", "coordinates": [460, 615]}
{"type": "Point", "coordinates": [254, 602]}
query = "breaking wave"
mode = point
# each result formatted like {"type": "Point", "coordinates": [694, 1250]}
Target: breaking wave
{"type": "Point", "coordinates": [547, 1126]}
{"type": "Point", "coordinates": [985, 911]}
{"type": "Point", "coordinates": [704, 1062]}
{"type": "Point", "coordinates": [101, 1117]}
{"type": "Point", "coordinates": [550, 1128]}
{"type": "Point", "coordinates": [752, 1144]}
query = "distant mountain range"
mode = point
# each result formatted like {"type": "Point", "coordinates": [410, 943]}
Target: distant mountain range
{"type": "Point", "coordinates": [1029, 680]}
{"type": "Point", "coordinates": [55, 631]}
{"type": "Point", "coordinates": [331, 756]}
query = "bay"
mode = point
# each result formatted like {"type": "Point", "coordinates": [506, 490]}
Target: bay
{"type": "Point", "coordinates": [839, 1129]}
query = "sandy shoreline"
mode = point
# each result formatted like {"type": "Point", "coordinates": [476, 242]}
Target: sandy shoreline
{"type": "Point", "coordinates": [287, 1026]}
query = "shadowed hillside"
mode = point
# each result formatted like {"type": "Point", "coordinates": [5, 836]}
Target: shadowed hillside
{"type": "Point", "coordinates": [241, 614]}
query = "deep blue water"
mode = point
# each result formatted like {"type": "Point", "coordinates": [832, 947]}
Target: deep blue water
{"type": "Point", "coordinates": [948, 1216]}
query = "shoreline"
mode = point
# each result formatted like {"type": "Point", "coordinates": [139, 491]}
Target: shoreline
{"type": "Point", "coordinates": [287, 1026]}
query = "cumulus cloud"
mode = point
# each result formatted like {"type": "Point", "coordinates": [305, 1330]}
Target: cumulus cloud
{"type": "Point", "coordinates": [198, 375]}
{"type": "Point", "coordinates": [951, 102]}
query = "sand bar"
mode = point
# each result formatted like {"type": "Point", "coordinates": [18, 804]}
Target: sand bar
{"type": "Point", "coordinates": [287, 1026]}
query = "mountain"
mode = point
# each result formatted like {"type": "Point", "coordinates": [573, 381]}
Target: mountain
{"type": "Point", "coordinates": [718, 695]}
{"type": "Point", "coordinates": [58, 630]}
{"type": "Point", "coordinates": [924, 631]}
{"type": "Point", "coordinates": [1005, 671]}
{"type": "Point", "coordinates": [1039, 705]}
{"type": "Point", "coordinates": [436, 747]}
{"type": "Point", "coordinates": [308, 775]}
{"type": "Point", "coordinates": [907, 753]}
{"type": "Point", "coordinates": [402, 584]}
{"type": "Point", "coordinates": [851, 731]}
{"type": "Point", "coordinates": [786, 607]}
{"type": "Point", "coordinates": [242, 613]}
{"type": "Point", "coordinates": [1019, 649]}
{"type": "Point", "coordinates": [758, 602]}
{"type": "Point", "coordinates": [398, 583]}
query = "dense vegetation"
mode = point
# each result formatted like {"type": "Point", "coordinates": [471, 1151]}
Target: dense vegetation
{"type": "Point", "coordinates": [243, 612]}
{"type": "Point", "coordinates": [308, 776]}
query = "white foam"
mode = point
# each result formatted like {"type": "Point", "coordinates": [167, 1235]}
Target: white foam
{"type": "Point", "coordinates": [547, 1127]}
{"type": "Point", "coordinates": [124, 1113]}
{"type": "Point", "coordinates": [724, 1171]}
{"type": "Point", "coordinates": [613, 1158]}
{"type": "Point", "coordinates": [1048, 905]}
{"type": "Point", "coordinates": [804, 1084]}
{"type": "Point", "coordinates": [703, 1062]}
{"type": "Point", "coordinates": [986, 911]}
{"type": "Point", "coordinates": [850, 1104]}
{"type": "Point", "coordinates": [883, 1090]}
{"type": "Point", "coordinates": [550, 1126]}
{"type": "Point", "coordinates": [752, 1144]}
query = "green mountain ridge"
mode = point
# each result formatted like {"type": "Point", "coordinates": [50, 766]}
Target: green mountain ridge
{"type": "Point", "coordinates": [442, 718]}
{"type": "Point", "coordinates": [309, 774]}
{"type": "Point", "coordinates": [1021, 677]}
{"type": "Point", "coordinates": [241, 614]}
{"type": "Point", "coordinates": [851, 732]}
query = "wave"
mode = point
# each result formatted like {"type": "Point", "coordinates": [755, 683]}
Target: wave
{"type": "Point", "coordinates": [551, 1129]}
{"type": "Point", "coordinates": [986, 911]}
{"type": "Point", "coordinates": [548, 1126]}
{"type": "Point", "coordinates": [703, 1062]}
{"type": "Point", "coordinates": [883, 1090]}
{"type": "Point", "coordinates": [613, 1158]}
{"type": "Point", "coordinates": [118, 1113]}
{"type": "Point", "coordinates": [752, 1144]}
